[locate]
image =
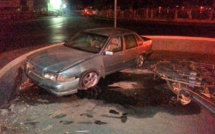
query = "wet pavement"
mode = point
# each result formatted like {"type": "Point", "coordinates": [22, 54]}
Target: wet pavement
{"type": "Point", "coordinates": [120, 98]}
{"type": "Point", "coordinates": [130, 101]}
{"type": "Point", "coordinates": [126, 102]}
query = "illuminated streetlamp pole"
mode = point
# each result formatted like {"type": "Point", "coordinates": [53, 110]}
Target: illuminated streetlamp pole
{"type": "Point", "coordinates": [115, 13]}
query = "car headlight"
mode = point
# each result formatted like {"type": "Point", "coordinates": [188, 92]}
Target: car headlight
{"type": "Point", "coordinates": [50, 76]}
{"type": "Point", "coordinates": [58, 77]}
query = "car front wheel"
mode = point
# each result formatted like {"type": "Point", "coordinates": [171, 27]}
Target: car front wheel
{"type": "Point", "coordinates": [89, 79]}
{"type": "Point", "coordinates": [140, 60]}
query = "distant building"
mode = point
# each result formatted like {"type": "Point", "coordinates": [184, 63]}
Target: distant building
{"type": "Point", "coordinates": [16, 5]}
{"type": "Point", "coordinates": [23, 5]}
{"type": "Point", "coordinates": [213, 3]}
{"type": "Point", "coordinates": [10, 4]}
{"type": "Point", "coordinates": [41, 5]}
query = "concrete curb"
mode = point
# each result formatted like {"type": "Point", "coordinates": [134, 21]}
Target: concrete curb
{"type": "Point", "coordinates": [18, 60]}
{"type": "Point", "coordinates": [11, 77]}
{"type": "Point", "coordinates": [184, 44]}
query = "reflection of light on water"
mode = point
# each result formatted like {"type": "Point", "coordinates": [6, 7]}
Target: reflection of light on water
{"type": "Point", "coordinates": [57, 20]}
{"type": "Point", "coordinates": [128, 84]}
{"type": "Point", "coordinates": [125, 85]}
{"type": "Point", "coordinates": [58, 25]}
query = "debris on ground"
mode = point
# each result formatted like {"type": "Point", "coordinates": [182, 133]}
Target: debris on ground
{"type": "Point", "coordinates": [112, 111]}
{"type": "Point", "coordinates": [98, 122]}
{"type": "Point", "coordinates": [189, 80]}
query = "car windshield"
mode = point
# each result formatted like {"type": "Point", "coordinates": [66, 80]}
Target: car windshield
{"type": "Point", "coordinates": [87, 42]}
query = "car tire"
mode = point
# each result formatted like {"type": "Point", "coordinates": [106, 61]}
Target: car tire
{"type": "Point", "coordinates": [89, 79]}
{"type": "Point", "coordinates": [140, 60]}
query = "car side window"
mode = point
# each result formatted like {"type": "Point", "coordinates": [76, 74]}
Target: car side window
{"type": "Point", "coordinates": [115, 44]}
{"type": "Point", "coordinates": [130, 41]}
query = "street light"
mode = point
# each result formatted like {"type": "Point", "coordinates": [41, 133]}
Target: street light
{"type": "Point", "coordinates": [115, 13]}
{"type": "Point", "coordinates": [56, 4]}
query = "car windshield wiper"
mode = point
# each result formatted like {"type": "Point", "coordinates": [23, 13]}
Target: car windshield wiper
{"type": "Point", "coordinates": [70, 46]}
{"type": "Point", "coordinates": [80, 48]}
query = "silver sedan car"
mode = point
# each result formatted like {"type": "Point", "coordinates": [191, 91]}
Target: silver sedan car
{"type": "Point", "coordinates": [85, 58]}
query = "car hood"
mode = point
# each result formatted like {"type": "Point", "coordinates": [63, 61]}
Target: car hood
{"type": "Point", "coordinates": [59, 58]}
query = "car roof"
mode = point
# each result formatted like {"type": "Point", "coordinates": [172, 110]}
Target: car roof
{"type": "Point", "coordinates": [109, 31]}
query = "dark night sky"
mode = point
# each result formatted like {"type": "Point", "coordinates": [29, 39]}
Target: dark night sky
{"type": "Point", "coordinates": [87, 2]}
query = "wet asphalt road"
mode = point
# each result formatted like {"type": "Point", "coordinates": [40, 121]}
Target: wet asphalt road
{"type": "Point", "coordinates": [49, 30]}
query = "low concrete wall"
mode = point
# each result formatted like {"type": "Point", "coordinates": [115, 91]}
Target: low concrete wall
{"type": "Point", "coordinates": [184, 44]}
{"type": "Point", "coordinates": [12, 76]}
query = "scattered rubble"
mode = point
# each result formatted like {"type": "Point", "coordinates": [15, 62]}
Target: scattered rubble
{"type": "Point", "coordinates": [189, 80]}
{"type": "Point", "coordinates": [4, 111]}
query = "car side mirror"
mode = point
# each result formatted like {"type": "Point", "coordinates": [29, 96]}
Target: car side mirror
{"type": "Point", "coordinates": [108, 53]}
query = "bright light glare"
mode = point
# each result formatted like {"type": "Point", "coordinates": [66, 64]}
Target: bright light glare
{"type": "Point", "coordinates": [56, 3]}
{"type": "Point", "coordinates": [64, 5]}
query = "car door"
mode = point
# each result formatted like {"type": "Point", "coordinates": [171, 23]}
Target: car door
{"type": "Point", "coordinates": [131, 50]}
{"type": "Point", "coordinates": [113, 57]}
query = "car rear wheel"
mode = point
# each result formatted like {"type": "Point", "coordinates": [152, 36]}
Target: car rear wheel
{"type": "Point", "coordinates": [89, 79]}
{"type": "Point", "coordinates": [140, 60]}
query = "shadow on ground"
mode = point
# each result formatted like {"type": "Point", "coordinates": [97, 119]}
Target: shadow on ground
{"type": "Point", "coordinates": [144, 100]}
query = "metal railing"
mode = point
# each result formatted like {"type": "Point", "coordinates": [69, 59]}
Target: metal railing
{"type": "Point", "coordinates": [200, 13]}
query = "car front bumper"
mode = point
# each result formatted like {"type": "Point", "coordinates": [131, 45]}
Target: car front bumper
{"type": "Point", "coordinates": [56, 88]}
